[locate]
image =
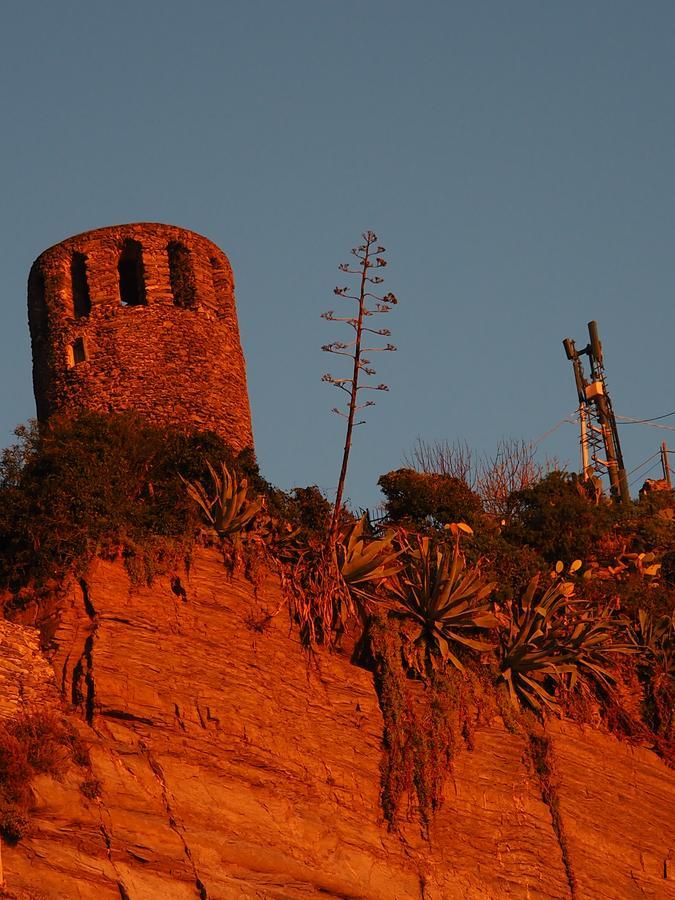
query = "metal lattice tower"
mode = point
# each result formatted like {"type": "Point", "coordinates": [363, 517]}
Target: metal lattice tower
{"type": "Point", "coordinates": [600, 446]}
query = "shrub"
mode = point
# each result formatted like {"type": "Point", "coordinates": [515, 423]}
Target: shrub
{"type": "Point", "coordinates": [310, 511]}
{"type": "Point", "coordinates": [71, 487]}
{"type": "Point", "coordinates": [29, 745]}
{"type": "Point", "coordinates": [649, 524]}
{"type": "Point", "coordinates": [424, 500]}
{"type": "Point", "coordinates": [511, 567]}
{"type": "Point", "coordinates": [558, 520]}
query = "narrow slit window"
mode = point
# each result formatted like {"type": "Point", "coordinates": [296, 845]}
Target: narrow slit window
{"type": "Point", "coordinates": [132, 280]}
{"type": "Point", "coordinates": [76, 352]}
{"type": "Point", "coordinates": [37, 307]}
{"type": "Point", "coordinates": [182, 275]}
{"type": "Point", "coordinates": [80, 285]}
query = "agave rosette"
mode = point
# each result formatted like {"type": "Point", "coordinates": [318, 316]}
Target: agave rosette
{"type": "Point", "coordinates": [534, 650]}
{"type": "Point", "coordinates": [361, 561]}
{"type": "Point", "coordinates": [443, 601]}
{"type": "Point", "coordinates": [594, 639]}
{"type": "Point", "coordinates": [656, 633]}
{"type": "Point", "coordinates": [227, 508]}
{"type": "Point", "coordinates": [656, 639]}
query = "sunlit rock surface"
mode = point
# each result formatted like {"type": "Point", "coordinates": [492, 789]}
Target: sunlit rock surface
{"type": "Point", "coordinates": [232, 765]}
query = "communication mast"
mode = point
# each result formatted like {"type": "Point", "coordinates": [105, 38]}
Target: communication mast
{"type": "Point", "coordinates": [599, 433]}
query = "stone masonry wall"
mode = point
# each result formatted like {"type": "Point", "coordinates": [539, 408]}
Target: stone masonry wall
{"type": "Point", "coordinates": [139, 317]}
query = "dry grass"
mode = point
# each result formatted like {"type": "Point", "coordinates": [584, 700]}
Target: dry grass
{"type": "Point", "coordinates": [319, 599]}
{"type": "Point", "coordinates": [31, 745]}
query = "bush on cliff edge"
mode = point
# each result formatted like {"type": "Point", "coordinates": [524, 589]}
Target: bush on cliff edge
{"type": "Point", "coordinates": [73, 488]}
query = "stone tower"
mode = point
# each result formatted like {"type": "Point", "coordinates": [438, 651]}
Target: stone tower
{"type": "Point", "coordinates": [139, 317]}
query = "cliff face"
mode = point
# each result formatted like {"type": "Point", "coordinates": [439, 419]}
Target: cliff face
{"type": "Point", "coordinates": [233, 766]}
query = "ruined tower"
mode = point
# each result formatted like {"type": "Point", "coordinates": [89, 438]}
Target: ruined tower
{"type": "Point", "coordinates": [139, 317]}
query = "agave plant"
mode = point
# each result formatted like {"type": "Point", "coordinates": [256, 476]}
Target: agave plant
{"type": "Point", "coordinates": [594, 639]}
{"type": "Point", "coordinates": [324, 582]}
{"type": "Point", "coordinates": [227, 508]}
{"type": "Point", "coordinates": [362, 561]}
{"type": "Point", "coordinates": [656, 637]}
{"type": "Point", "coordinates": [656, 640]}
{"type": "Point", "coordinates": [534, 649]}
{"type": "Point", "coordinates": [280, 539]}
{"type": "Point", "coordinates": [443, 601]}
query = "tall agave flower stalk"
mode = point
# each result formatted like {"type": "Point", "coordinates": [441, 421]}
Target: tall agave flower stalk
{"type": "Point", "coordinates": [369, 259]}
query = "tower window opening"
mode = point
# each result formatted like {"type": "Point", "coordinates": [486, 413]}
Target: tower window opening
{"type": "Point", "coordinates": [132, 281]}
{"type": "Point", "coordinates": [80, 285]}
{"type": "Point", "coordinates": [181, 275]}
{"type": "Point", "coordinates": [76, 352]}
{"type": "Point", "coordinates": [37, 307]}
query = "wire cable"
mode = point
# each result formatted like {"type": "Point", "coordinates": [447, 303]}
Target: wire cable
{"type": "Point", "coordinates": [650, 424]}
{"type": "Point", "coordinates": [644, 463]}
{"type": "Point", "coordinates": [568, 418]}
{"type": "Point", "coordinates": [631, 421]}
{"type": "Point", "coordinates": [644, 475]}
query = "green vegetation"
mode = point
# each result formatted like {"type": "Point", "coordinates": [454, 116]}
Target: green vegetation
{"type": "Point", "coordinates": [115, 485]}
{"type": "Point", "coordinates": [228, 510]}
{"type": "Point", "coordinates": [444, 602]}
{"type": "Point", "coordinates": [99, 484]}
{"type": "Point", "coordinates": [557, 519]}
{"type": "Point", "coordinates": [458, 624]}
{"type": "Point", "coordinates": [425, 500]}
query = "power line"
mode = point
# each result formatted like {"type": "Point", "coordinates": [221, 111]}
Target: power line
{"type": "Point", "coordinates": [568, 418]}
{"type": "Point", "coordinates": [644, 462]}
{"type": "Point", "coordinates": [652, 425]}
{"type": "Point", "coordinates": [628, 420]}
{"type": "Point", "coordinates": [647, 422]}
{"type": "Point", "coordinates": [644, 474]}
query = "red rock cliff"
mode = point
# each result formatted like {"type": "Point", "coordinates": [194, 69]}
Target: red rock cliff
{"type": "Point", "coordinates": [231, 766]}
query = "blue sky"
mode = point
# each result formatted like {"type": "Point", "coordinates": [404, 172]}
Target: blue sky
{"type": "Point", "coordinates": [516, 159]}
